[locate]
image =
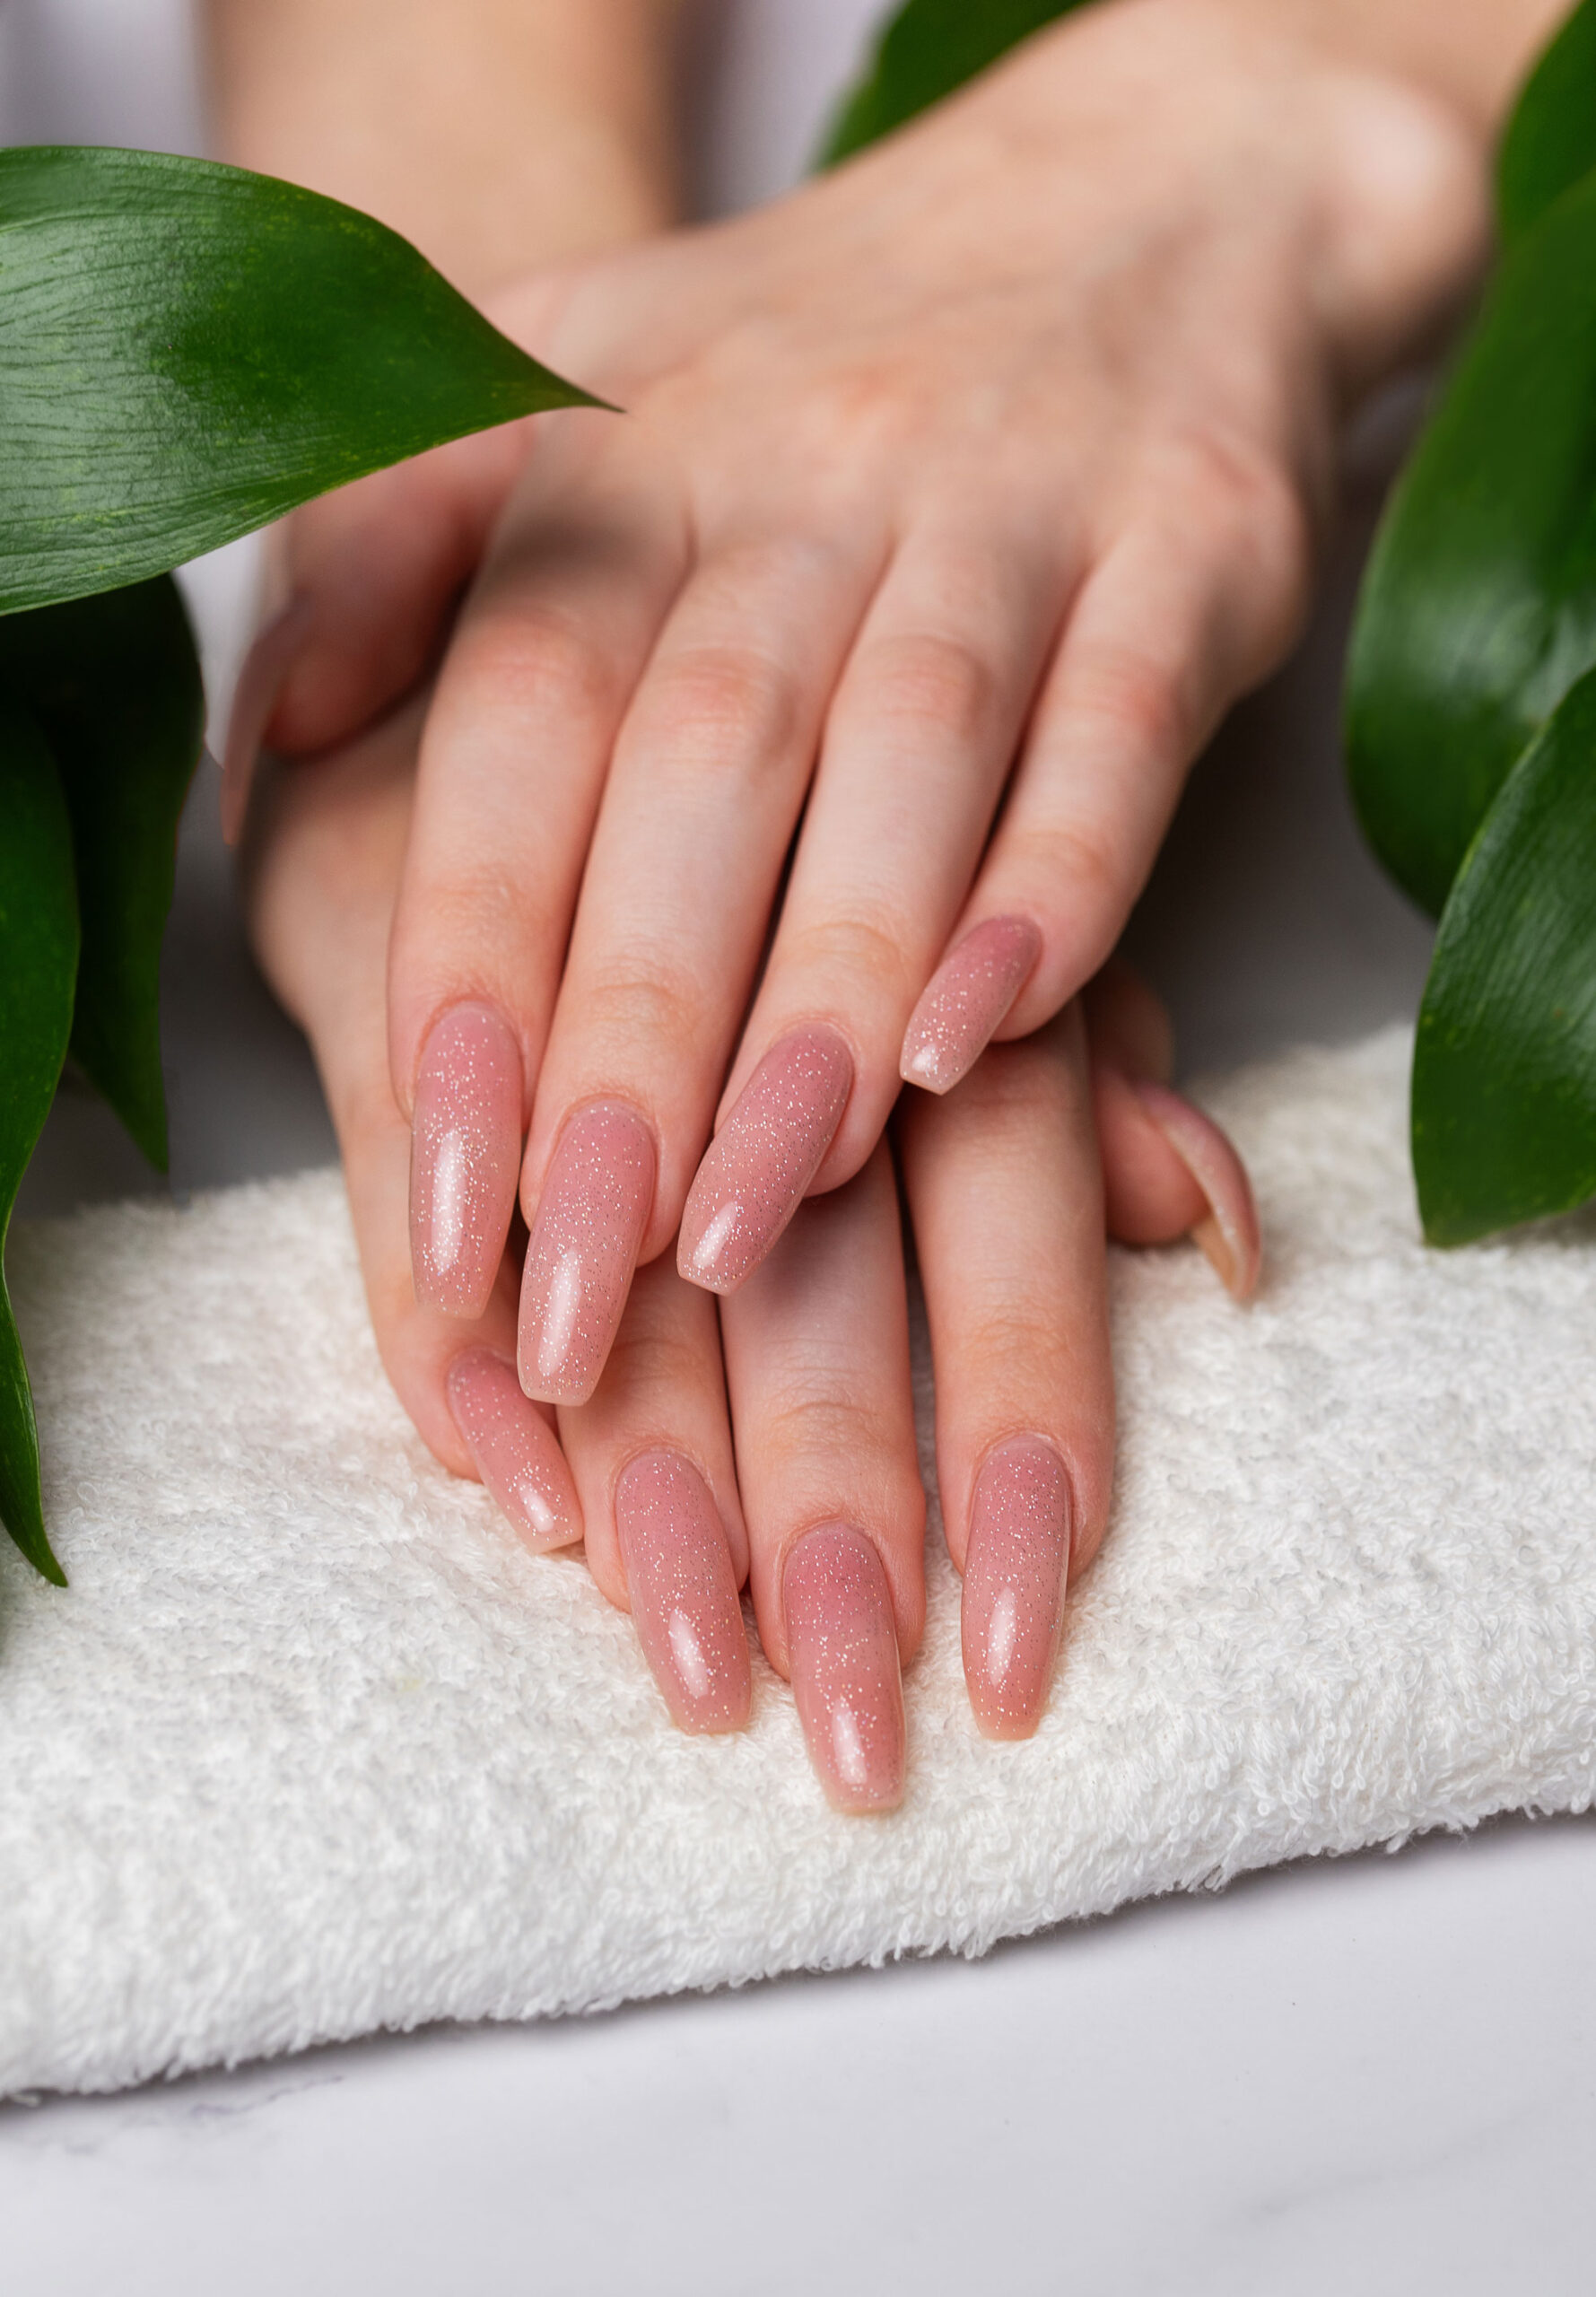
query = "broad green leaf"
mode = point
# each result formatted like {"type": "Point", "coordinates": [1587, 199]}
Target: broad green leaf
{"type": "Point", "coordinates": [38, 965]}
{"type": "Point", "coordinates": [1478, 608]}
{"type": "Point", "coordinates": [114, 681]}
{"type": "Point", "coordinates": [1505, 1065]}
{"type": "Point", "coordinates": [929, 48]}
{"type": "Point", "coordinates": [188, 351]}
{"type": "Point", "coordinates": [1549, 142]}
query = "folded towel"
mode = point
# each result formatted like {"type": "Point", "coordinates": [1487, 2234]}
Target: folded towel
{"type": "Point", "coordinates": [312, 1747]}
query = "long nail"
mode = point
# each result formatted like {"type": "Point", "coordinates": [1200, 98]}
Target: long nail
{"type": "Point", "coordinates": [1229, 1235]}
{"type": "Point", "coordinates": [514, 1449]}
{"type": "Point", "coordinates": [276, 648]}
{"type": "Point", "coordinates": [465, 1156]}
{"type": "Point", "coordinates": [1013, 1584]}
{"type": "Point", "coordinates": [756, 1170]}
{"type": "Point", "coordinates": [583, 1251]}
{"type": "Point", "coordinates": [843, 1657]}
{"type": "Point", "coordinates": [965, 1000]}
{"type": "Point", "coordinates": [684, 1593]}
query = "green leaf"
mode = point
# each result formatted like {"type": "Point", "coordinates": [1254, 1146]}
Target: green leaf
{"type": "Point", "coordinates": [1549, 142]}
{"type": "Point", "coordinates": [1505, 1065]}
{"type": "Point", "coordinates": [114, 681]}
{"type": "Point", "coordinates": [39, 944]}
{"type": "Point", "coordinates": [188, 351]}
{"type": "Point", "coordinates": [1478, 608]}
{"type": "Point", "coordinates": [929, 48]}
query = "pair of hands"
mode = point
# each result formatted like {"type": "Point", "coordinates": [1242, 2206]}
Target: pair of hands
{"type": "Point", "coordinates": [807, 729]}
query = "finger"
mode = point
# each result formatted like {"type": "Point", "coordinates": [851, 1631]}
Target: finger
{"type": "Point", "coordinates": [375, 570]}
{"type": "Point", "coordinates": [652, 1458]}
{"type": "Point", "coordinates": [817, 1367]}
{"type": "Point", "coordinates": [1168, 1169]}
{"type": "Point", "coordinates": [1194, 604]}
{"type": "Point", "coordinates": [1003, 1187]}
{"type": "Point", "coordinates": [517, 745]}
{"type": "Point", "coordinates": [918, 742]}
{"type": "Point", "coordinates": [707, 783]}
{"type": "Point", "coordinates": [326, 858]}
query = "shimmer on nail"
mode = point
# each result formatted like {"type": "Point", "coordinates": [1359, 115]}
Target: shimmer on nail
{"type": "Point", "coordinates": [842, 1654]}
{"type": "Point", "coordinates": [583, 1251]}
{"type": "Point", "coordinates": [465, 1157]}
{"type": "Point", "coordinates": [514, 1449]}
{"type": "Point", "coordinates": [1013, 1584]}
{"type": "Point", "coordinates": [758, 1168]}
{"type": "Point", "coordinates": [965, 1001]}
{"type": "Point", "coordinates": [685, 1601]}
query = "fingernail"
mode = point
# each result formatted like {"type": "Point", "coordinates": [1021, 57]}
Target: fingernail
{"type": "Point", "coordinates": [758, 1167]}
{"type": "Point", "coordinates": [843, 1655]}
{"type": "Point", "coordinates": [1014, 1585]}
{"type": "Point", "coordinates": [465, 1156]}
{"type": "Point", "coordinates": [515, 1450]}
{"type": "Point", "coordinates": [583, 1251]}
{"type": "Point", "coordinates": [685, 1602]}
{"type": "Point", "coordinates": [964, 1001]}
{"type": "Point", "coordinates": [276, 648]}
{"type": "Point", "coordinates": [1229, 1235]}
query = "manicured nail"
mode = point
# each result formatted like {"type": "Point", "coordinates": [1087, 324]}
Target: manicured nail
{"type": "Point", "coordinates": [465, 1157]}
{"type": "Point", "coordinates": [276, 648]}
{"type": "Point", "coordinates": [514, 1447]}
{"type": "Point", "coordinates": [685, 1602]}
{"type": "Point", "coordinates": [964, 1001]}
{"type": "Point", "coordinates": [1013, 1584]}
{"type": "Point", "coordinates": [757, 1169]}
{"type": "Point", "coordinates": [1229, 1235]}
{"type": "Point", "coordinates": [583, 1251]}
{"type": "Point", "coordinates": [843, 1657]}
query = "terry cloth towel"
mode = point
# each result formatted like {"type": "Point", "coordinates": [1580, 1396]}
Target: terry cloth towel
{"type": "Point", "coordinates": [312, 1747]}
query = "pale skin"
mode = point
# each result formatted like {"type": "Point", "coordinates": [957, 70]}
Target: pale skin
{"type": "Point", "coordinates": [957, 497]}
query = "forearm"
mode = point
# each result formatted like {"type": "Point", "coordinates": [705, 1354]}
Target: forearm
{"type": "Point", "coordinates": [495, 134]}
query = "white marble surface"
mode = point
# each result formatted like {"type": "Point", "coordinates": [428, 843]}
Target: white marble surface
{"type": "Point", "coordinates": [1377, 2076]}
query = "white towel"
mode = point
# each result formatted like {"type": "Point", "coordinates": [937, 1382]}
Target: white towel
{"type": "Point", "coordinates": [312, 1747]}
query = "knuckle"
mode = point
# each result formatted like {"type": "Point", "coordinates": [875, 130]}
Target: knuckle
{"type": "Point", "coordinates": [1081, 861]}
{"type": "Point", "coordinates": [644, 1000]}
{"type": "Point", "coordinates": [729, 706]}
{"type": "Point", "coordinates": [539, 659]}
{"type": "Point", "coordinates": [1133, 702]}
{"type": "Point", "coordinates": [926, 678]}
{"type": "Point", "coordinates": [854, 950]}
{"type": "Point", "coordinates": [1266, 518]}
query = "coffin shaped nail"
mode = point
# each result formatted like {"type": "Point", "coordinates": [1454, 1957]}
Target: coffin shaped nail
{"type": "Point", "coordinates": [843, 1652]}
{"type": "Point", "coordinates": [758, 1167]}
{"type": "Point", "coordinates": [1229, 1235]}
{"type": "Point", "coordinates": [1013, 1584]}
{"type": "Point", "coordinates": [465, 1157]}
{"type": "Point", "coordinates": [516, 1454]}
{"type": "Point", "coordinates": [965, 1000]}
{"type": "Point", "coordinates": [685, 1602]}
{"type": "Point", "coordinates": [583, 1251]}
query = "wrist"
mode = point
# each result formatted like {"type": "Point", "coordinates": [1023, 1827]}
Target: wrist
{"type": "Point", "coordinates": [499, 135]}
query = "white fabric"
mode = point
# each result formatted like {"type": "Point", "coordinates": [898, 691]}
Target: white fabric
{"type": "Point", "coordinates": [311, 1747]}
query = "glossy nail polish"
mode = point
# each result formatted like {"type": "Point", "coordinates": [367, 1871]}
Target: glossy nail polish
{"type": "Point", "coordinates": [758, 1167]}
{"type": "Point", "coordinates": [1229, 1235]}
{"type": "Point", "coordinates": [583, 1251]}
{"type": "Point", "coordinates": [1013, 1584]}
{"type": "Point", "coordinates": [278, 645]}
{"type": "Point", "coordinates": [465, 1157]}
{"type": "Point", "coordinates": [965, 1000]}
{"type": "Point", "coordinates": [685, 1602]}
{"type": "Point", "coordinates": [515, 1450]}
{"type": "Point", "coordinates": [843, 1652]}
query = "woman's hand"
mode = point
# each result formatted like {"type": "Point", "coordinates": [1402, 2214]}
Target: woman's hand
{"type": "Point", "coordinates": [958, 496]}
{"type": "Point", "coordinates": [821, 1507]}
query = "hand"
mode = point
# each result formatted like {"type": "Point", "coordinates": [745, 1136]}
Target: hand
{"type": "Point", "coordinates": [819, 1503]}
{"type": "Point", "coordinates": [966, 487]}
